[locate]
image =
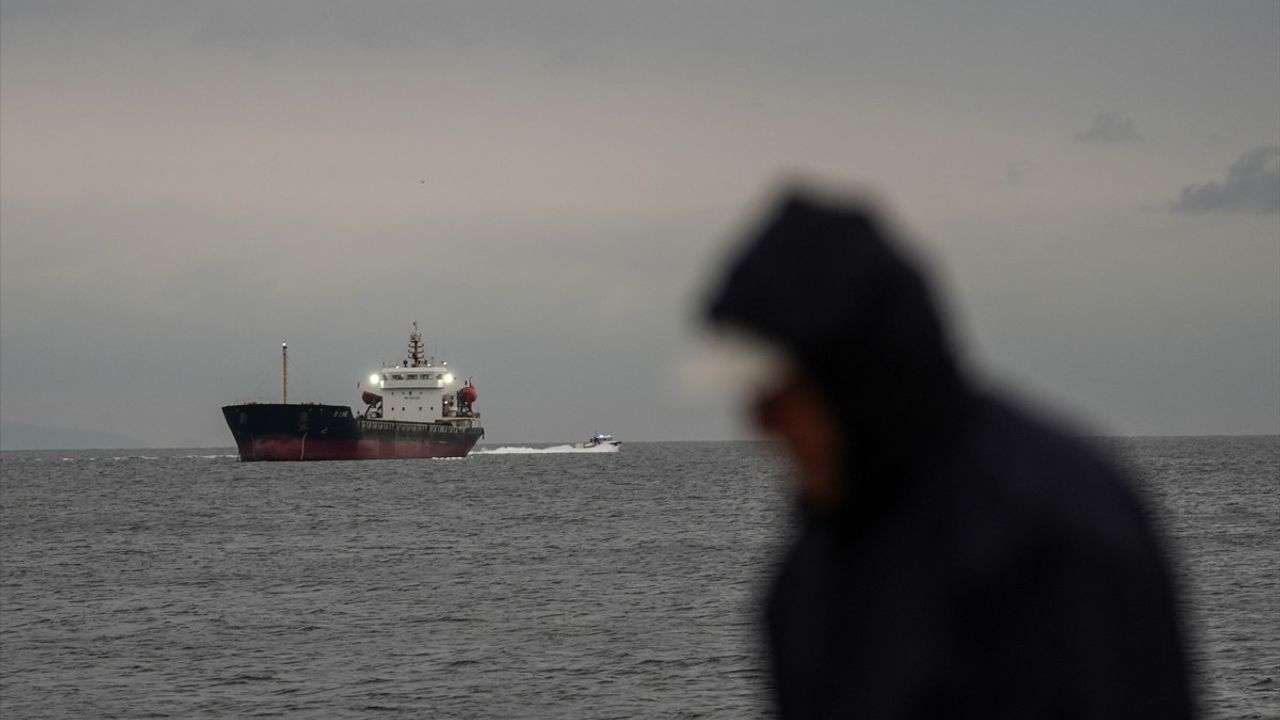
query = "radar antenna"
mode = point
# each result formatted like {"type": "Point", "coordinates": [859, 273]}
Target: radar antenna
{"type": "Point", "coordinates": [416, 348]}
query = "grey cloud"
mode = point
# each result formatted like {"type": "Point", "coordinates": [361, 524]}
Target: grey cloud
{"type": "Point", "coordinates": [1110, 127]}
{"type": "Point", "coordinates": [1252, 185]}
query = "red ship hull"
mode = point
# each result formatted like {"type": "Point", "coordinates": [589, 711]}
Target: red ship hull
{"type": "Point", "coordinates": [280, 432]}
{"type": "Point", "coordinates": [280, 448]}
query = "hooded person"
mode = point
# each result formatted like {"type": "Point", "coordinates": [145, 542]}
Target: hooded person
{"type": "Point", "coordinates": [956, 557]}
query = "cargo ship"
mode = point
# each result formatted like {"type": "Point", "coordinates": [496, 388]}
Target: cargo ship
{"type": "Point", "coordinates": [411, 411]}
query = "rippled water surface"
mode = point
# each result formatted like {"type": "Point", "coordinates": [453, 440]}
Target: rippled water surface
{"type": "Point", "coordinates": [505, 585]}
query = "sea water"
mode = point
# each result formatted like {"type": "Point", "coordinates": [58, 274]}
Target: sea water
{"type": "Point", "coordinates": [515, 583]}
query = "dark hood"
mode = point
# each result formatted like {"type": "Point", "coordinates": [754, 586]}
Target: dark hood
{"type": "Point", "coordinates": [827, 284]}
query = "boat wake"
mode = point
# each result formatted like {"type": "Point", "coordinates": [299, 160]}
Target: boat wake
{"type": "Point", "coordinates": [553, 450]}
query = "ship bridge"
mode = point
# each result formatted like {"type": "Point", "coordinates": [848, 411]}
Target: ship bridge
{"type": "Point", "coordinates": [420, 391]}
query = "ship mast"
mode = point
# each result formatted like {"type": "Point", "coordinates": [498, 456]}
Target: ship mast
{"type": "Point", "coordinates": [284, 363]}
{"type": "Point", "coordinates": [416, 348]}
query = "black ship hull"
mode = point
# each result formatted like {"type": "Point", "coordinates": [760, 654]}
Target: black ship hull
{"type": "Point", "coordinates": [312, 431]}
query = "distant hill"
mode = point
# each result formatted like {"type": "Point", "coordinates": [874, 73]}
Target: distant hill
{"type": "Point", "coordinates": [16, 436]}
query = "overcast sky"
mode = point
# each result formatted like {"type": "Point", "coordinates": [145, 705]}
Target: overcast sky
{"type": "Point", "coordinates": [547, 187]}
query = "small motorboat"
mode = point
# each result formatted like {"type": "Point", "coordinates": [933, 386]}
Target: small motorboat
{"type": "Point", "coordinates": [600, 440]}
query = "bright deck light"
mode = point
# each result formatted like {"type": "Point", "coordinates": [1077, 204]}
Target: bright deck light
{"type": "Point", "coordinates": [448, 378]}
{"type": "Point", "coordinates": [373, 379]}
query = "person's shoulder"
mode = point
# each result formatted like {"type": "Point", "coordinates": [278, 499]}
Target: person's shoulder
{"type": "Point", "coordinates": [1045, 480]}
{"type": "Point", "coordinates": [1027, 451]}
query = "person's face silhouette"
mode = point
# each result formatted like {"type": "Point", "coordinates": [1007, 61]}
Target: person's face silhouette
{"type": "Point", "coordinates": [797, 414]}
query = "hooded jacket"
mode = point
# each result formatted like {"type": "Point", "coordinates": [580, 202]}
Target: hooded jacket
{"type": "Point", "coordinates": [983, 563]}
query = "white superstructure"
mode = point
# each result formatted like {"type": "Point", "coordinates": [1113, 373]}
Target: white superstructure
{"type": "Point", "coordinates": [416, 394]}
{"type": "Point", "coordinates": [419, 390]}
